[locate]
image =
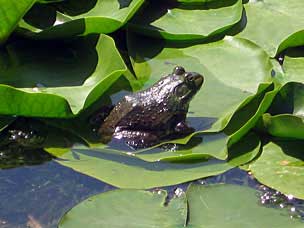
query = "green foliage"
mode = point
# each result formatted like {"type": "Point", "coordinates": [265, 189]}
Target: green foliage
{"type": "Point", "coordinates": [61, 61]}
{"type": "Point", "coordinates": [11, 12]}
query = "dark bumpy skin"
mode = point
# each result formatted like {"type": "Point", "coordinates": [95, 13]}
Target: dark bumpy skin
{"type": "Point", "coordinates": [147, 117]}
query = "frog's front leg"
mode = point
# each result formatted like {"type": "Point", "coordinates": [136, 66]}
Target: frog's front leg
{"type": "Point", "coordinates": [137, 139]}
{"type": "Point", "coordinates": [183, 128]}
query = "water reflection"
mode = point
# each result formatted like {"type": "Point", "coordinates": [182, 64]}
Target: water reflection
{"type": "Point", "coordinates": [42, 193]}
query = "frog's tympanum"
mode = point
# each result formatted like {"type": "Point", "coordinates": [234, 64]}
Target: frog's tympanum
{"type": "Point", "coordinates": [158, 113]}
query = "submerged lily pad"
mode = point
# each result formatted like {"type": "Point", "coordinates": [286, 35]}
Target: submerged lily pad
{"type": "Point", "coordinates": [57, 79]}
{"type": "Point", "coordinates": [281, 167]}
{"type": "Point", "coordinates": [10, 14]}
{"type": "Point", "coordinates": [233, 69]}
{"type": "Point", "coordinates": [70, 18]}
{"type": "Point", "coordinates": [179, 22]}
{"type": "Point", "coordinates": [274, 25]}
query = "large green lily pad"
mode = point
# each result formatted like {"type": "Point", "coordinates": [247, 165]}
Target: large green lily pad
{"type": "Point", "coordinates": [57, 79]}
{"type": "Point", "coordinates": [274, 25]}
{"type": "Point", "coordinates": [281, 166]}
{"type": "Point", "coordinates": [10, 14]}
{"type": "Point", "coordinates": [235, 70]}
{"type": "Point", "coordinates": [70, 18]}
{"type": "Point", "coordinates": [129, 170]}
{"type": "Point", "coordinates": [179, 22]}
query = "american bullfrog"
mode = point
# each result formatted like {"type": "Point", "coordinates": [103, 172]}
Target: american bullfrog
{"type": "Point", "coordinates": [150, 116]}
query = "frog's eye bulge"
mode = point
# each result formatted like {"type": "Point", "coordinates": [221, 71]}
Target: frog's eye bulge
{"type": "Point", "coordinates": [178, 70]}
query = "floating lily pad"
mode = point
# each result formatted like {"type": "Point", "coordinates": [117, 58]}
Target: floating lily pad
{"type": "Point", "coordinates": [232, 206]}
{"type": "Point", "coordinates": [70, 18]}
{"type": "Point", "coordinates": [125, 171]}
{"type": "Point", "coordinates": [57, 79]}
{"type": "Point", "coordinates": [201, 206]}
{"type": "Point", "coordinates": [281, 167]}
{"type": "Point", "coordinates": [128, 170]}
{"type": "Point", "coordinates": [10, 14]}
{"type": "Point", "coordinates": [235, 71]}
{"type": "Point", "coordinates": [179, 22]}
{"type": "Point", "coordinates": [274, 25]}
{"type": "Point", "coordinates": [119, 208]}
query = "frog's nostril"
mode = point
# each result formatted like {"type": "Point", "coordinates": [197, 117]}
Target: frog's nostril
{"type": "Point", "coordinates": [190, 78]}
{"type": "Point", "coordinates": [195, 78]}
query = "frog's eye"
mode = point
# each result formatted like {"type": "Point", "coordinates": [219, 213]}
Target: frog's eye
{"type": "Point", "coordinates": [181, 90]}
{"type": "Point", "coordinates": [179, 70]}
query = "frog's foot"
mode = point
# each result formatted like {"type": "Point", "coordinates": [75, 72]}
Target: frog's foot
{"type": "Point", "coordinates": [137, 139]}
{"type": "Point", "coordinates": [183, 128]}
{"type": "Point", "coordinates": [97, 118]}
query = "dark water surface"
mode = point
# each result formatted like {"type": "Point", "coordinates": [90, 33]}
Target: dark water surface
{"type": "Point", "coordinates": [38, 195]}
{"type": "Point", "coordinates": [42, 194]}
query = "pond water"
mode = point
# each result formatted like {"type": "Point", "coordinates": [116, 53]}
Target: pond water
{"type": "Point", "coordinates": [38, 195]}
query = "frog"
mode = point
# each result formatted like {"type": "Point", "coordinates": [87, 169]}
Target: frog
{"type": "Point", "coordinates": [148, 117]}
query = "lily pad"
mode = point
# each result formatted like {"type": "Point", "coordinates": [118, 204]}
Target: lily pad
{"type": "Point", "coordinates": [294, 65]}
{"type": "Point", "coordinates": [130, 172]}
{"type": "Point", "coordinates": [70, 18]}
{"type": "Point", "coordinates": [119, 208]}
{"type": "Point", "coordinates": [120, 169]}
{"type": "Point", "coordinates": [228, 66]}
{"type": "Point", "coordinates": [10, 14]}
{"type": "Point", "coordinates": [284, 125]}
{"type": "Point", "coordinates": [179, 22]}
{"type": "Point", "coordinates": [232, 206]}
{"type": "Point", "coordinates": [57, 79]}
{"type": "Point", "coordinates": [281, 167]}
{"type": "Point", "coordinates": [286, 114]}
{"type": "Point", "coordinates": [274, 37]}
{"type": "Point", "coordinates": [248, 116]}
{"type": "Point", "coordinates": [201, 206]}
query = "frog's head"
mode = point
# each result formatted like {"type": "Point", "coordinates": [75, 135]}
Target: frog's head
{"type": "Point", "coordinates": [190, 83]}
{"type": "Point", "coordinates": [178, 88]}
